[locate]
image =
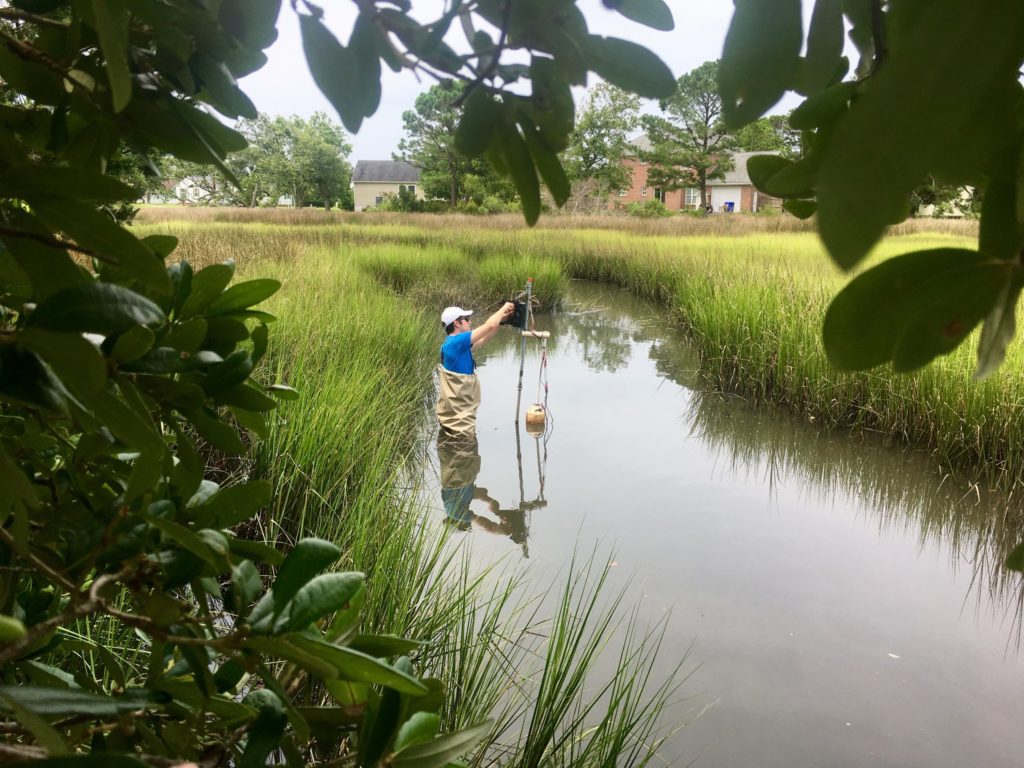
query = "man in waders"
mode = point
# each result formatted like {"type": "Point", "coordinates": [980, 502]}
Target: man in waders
{"type": "Point", "coordinates": [460, 388]}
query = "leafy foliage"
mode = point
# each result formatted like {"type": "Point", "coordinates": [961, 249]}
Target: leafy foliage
{"type": "Point", "coordinates": [117, 363]}
{"type": "Point", "coordinates": [601, 139]}
{"type": "Point", "coordinates": [914, 118]}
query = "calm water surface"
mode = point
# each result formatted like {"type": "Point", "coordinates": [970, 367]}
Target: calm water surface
{"type": "Point", "coordinates": [841, 603]}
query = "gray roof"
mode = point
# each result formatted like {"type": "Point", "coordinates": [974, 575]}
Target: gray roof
{"type": "Point", "coordinates": [738, 175]}
{"type": "Point", "coordinates": [641, 142]}
{"type": "Point", "coordinates": [397, 171]}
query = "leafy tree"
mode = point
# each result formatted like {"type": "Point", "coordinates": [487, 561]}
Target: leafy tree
{"type": "Point", "coordinates": [768, 134]}
{"type": "Point", "coordinates": [690, 144]}
{"type": "Point", "coordinates": [429, 143]}
{"type": "Point", "coordinates": [303, 160]}
{"type": "Point", "coordinates": [116, 359]}
{"type": "Point", "coordinates": [599, 143]}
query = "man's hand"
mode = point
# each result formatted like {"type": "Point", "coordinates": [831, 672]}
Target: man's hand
{"type": "Point", "coordinates": [482, 334]}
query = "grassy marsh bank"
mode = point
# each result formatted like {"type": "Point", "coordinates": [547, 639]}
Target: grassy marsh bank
{"type": "Point", "coordinates": [341, 457]}
{"type": "Point", "coordinates": [751, 293]}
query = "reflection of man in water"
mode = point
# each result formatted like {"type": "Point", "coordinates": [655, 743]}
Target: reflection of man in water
{"type": "Point", "coordinates": [460, 465]}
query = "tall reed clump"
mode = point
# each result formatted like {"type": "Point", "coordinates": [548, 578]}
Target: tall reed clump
{"type": "Point", "coordinates": [436, 276]}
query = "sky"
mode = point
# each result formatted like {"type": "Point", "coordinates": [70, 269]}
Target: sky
{"type": "Point", "coordinates": [284, 85]}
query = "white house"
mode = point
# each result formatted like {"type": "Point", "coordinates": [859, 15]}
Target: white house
{"type": "Point", "coordinates": [372, 179]}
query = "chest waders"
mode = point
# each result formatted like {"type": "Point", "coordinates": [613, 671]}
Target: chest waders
{"type": "Point", "coordinates": [457, 402]}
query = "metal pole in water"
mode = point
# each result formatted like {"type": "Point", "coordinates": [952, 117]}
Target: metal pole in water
{"type": "Point", "coordinates": [522, 346]}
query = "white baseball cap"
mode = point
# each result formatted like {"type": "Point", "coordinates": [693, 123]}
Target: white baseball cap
{"type": "Point", "coordinates": [451, 314]}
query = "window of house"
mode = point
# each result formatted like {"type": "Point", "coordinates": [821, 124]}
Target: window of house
{"type": "Point", "coordinates": [622, 193]}
{"type": "Point", "coordinates": [378, 199]}
{"type": "Point", "coordinates": [643, 191]}
{"type": "Point", "coordinates": [410, 188]}
{"type": "Point", "coordinates": [692, 197]}
{"type": "Point", "coordinates": [659, 194]}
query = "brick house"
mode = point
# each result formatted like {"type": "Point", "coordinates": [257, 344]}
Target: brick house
{"type": "Point", "coordinates": [733, 193]}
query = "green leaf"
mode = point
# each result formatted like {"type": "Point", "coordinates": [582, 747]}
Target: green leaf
{"type": "Point", "coordinates": [631, 66]}
{"type": "Point", "coordinates": [998, 331]}
{"type": "Point", "coordinates": [29, 181]}
{"type": "Point", "coordinates": [207, 284]}
{"type": "Point", "coordinates": [234, 370]}
{"type": "Point", "coordinates": [187, 336]}
{"type": "Point", "coordinates": [481, 116]}
{"type": "Point", "coordinates": [111, 21]}
{"type": "Point", "coordinates": [824, 45]}
{"type": "Point", "coordinates": [252, 22]}
{"type": "Point", "coordinates": [220, 87]}
{"type": "Point", "coordinates": [190, 541]}
{"type": "Point", "coordinates": [247, 586]}
{"type": "Point", "coordinates": [824, 107]}
{"type": "Point", "coordinates": [243, 296]}
{"type": "Point", "coordinates": [133, 344]}
{"type": "Point", "coordinates": [126, 425]}
{"type": "Point", "coordinates": [283, 648]}
{"type": "Point", "coordinates": [335, 71]}
{"type": "Point", "coordinates": [11, 629]}
{"type": "Point", "coordinates": [318, 597]}
{"type": "Point", "coordinates": [759, 58]}
{"type": "Point", "coordinates": [306, 559]}
{"type": "Point", "coordinates": [802, 209]}
{"type": "Point", "coordinates": [438, 752]}
{"type": "Point", "coordinates": [49, 269]}
{"type": "Point", "coordinates": [264, 735]}
{"type": "Point", "coordinates": [45, 734]}
{"type": "Point", "coordinates": [517, 159]}
{"type": "Point", "coordinates": [999, 235]}
{"type": "Point", "coordinates": [365, 44]}
{"type": "Point", "coordinates": [551, 102]}
{"type": "Point", "coordinates": [216, 432]}
{"type": "Point", "coordinates": [162, 245]}
{"type": "Point", "coordinates": [126, 257]}
{"type": "Point", "coordinates": [382, 646]}
{"type": "Point", "coordinates": [761, 168]}
{"type": "Point", "coordinates": [95, 308]}
{"type": "Point", "coordinates": [651, 13]}
{"type": "Point", "coordinates": [257, 551]}
{"type": "Point", "coordinates": [547, 163]}
{"type": "Point", "coordinates": [60, 702]}
{"type": "Point", "coordinates": [794, 179]}
{"type": "Point", "coordinates": [358, 667]}
{"type": "Point", "coordinates": [248, 398]}
{"type": "Point", "coordinates": [283, 392]}
{"type": "Point", "coordinates": [379, 725]}
{"type": "Point", "coordinates": [894, 136]}
{"type": "Point", "coordinates": [1015, 560]}
{"type": "Point", "coordinates": [76, 361]}
{"type": "Point", "coordinates": [911, 308]}
{"type": "Point", "coordinates": [422, 726]}
{"type": "Point", "coordinates": [232, 505]}
{"type": "Point", "coordinates": [26, 381]}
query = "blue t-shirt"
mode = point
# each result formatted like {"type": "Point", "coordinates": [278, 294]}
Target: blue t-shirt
{"type": "Point", "coordinates": [457, 353]}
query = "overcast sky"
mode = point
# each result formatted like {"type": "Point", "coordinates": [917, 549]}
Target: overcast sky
{"type": "Point", "coordinates": [285, 87]}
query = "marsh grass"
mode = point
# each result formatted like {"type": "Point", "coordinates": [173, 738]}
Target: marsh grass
{"type": "Point", "coordinates": [344, 459]}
